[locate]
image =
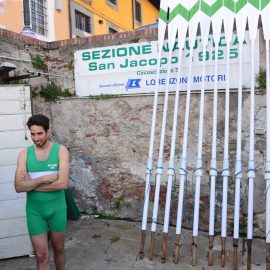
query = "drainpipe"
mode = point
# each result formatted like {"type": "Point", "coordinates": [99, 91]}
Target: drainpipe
{"type": "Point", "coordinates": [70, 18]}
{"type": "Point", "coordinates": [132, 9]}
{"type": "Point", "coordinates": [27, 30]}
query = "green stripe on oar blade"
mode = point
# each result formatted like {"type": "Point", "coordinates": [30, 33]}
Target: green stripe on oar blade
{"type": "Point", "coordinates": [264, 3]}
{"type": "Point", "coordinates": [194, 10]}
{"type": "Point", "coordinates": [179, 10]}
{"type": "Point", "coordinates": [229, 4]}
{"type": "Point", "coordinates": [163, 15]}
{"type": "Point", "coordinates": [210, 10]}
{"type": "Point", "coordinates": [239, 5]}
{"type": "Point", "coordinates": [255, 3]}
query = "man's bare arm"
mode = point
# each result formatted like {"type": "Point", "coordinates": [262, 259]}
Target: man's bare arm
{"type": "Point", "coordinates": [63, 174]}
{"type": "Point", "coordinates": [23, 182]}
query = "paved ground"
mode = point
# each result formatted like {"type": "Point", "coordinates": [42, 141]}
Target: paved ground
{"type": "Point", "coordinates": [93, 244]}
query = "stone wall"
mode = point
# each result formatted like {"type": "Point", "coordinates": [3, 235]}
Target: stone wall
{"type": "Point", "coordinates": [108, 139]}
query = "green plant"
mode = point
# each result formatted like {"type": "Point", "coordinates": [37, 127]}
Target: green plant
{"type": "Point", "coordinates": [261, 80]}
{"type": "Point", "coordinates": [95, 236]}
{"type": "Point", "coordinates": [52, 92]}
{"type": "Point", "coordinates": [34, 92]}
{"type": "Point", "coordinates": [71, 64]}
{"type": "Point", "coordinates": [119, 201]}
{"type": "Point", "coordinates": [99, 215]}
{"type": "Point", "coordinates": [115, 238]}
{"type": "Point", "coordinates": [103, 96]}
{"type": "Point", "coordinates": [38, 62]}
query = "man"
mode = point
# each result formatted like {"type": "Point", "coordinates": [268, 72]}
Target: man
{"type": "Point", "coordinates": [43, 172]}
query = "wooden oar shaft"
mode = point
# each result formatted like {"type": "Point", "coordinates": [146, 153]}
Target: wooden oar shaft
{"type": "Point", "coordinates": [235, 253]}
{"type": "Point", "coordinates": [152, 243]}
{"type": "Point", "coordinates": [194, 251]}
{"type": "Point", "coordinates": [249, 248]}
{"type": "Point", "coordinates": [176, 249]}
{"type": "Point", "coordinates": [164, 247]}
{"type": "Point", "coordinates": [143, 237]}
{"type": "Point", "coordinates": [211, 245]}
{"type": "Point", "coordinates": [267, 256]}
{"type": "Point", "coordinates": [223, 251]}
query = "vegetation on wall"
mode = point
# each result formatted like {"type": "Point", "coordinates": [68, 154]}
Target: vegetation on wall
{"type": "Point", "coordinates": [103, 96]}
{"type": "Point", "coordinates": [38, 62]}
{"type": "Point", "coordinates": [53, 92]}
{"type": "Point", "coordinates": [261, 80]}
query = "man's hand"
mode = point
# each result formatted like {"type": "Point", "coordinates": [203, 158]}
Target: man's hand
{"type": "Point", "coordinates": [50, 178]}
{"type": "Point", "coordinates": [23, 175]}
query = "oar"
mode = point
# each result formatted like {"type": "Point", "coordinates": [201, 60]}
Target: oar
{"type": "Point", "coordinates": [162, 25]}
{"type": "Point", "coordinates": [253, 18]}
{"type": "Point", "coordinates": [192, 29]}
{"type": "Point", "coordinates": [216, 26]}
{"type": "Point", "coordinates": [241, 20]}
{"type": "Point", "coordinates": [159, 170]}
{"type": "Point", "coordinates": [182, 30]}
{"type": "Point", "coordinates": [266, 32]}
{"type": "Point", "coordinates": [228, 21]}
{"type": "Point", "coordinates": [205, 27]}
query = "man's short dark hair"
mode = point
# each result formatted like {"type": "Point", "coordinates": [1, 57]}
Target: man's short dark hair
{"type": "Point", "coordinates": [39, 120]}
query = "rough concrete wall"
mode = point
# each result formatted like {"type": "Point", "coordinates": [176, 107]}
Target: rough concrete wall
{"type": "Point", "coordinates": [108, 139]}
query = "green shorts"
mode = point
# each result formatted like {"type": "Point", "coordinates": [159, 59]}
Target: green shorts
{"type": "Point", "coordinates": [46, 212]}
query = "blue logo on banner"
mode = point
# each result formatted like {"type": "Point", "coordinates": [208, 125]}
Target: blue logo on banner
{"type": "Point", "coordinates": [133, 83]}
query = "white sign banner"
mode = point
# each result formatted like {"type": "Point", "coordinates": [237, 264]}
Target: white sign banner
{"type": "Point", "coordinates": [132, 68]}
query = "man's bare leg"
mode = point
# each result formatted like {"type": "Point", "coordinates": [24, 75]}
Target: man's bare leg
{"type": "Point", "coordinates": [57, 240]}
{"type": "Point", "coordinates": [40, 245]}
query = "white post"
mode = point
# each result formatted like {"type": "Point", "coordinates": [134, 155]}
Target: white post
{"type": "Point", "coordinates": [182, 31]}
{"type": "Point", "coordinates": [192, 28]}
{"type": "Point", "coordinates": [266, 31]}
{"type": "Point", "coordinates": [216, 25]}
{"type": "Point", "coordinates": [241, 19]}
{"type": "Point", "coordinates": [205, 27]}
{"type": "Point", "coordinates": [162, 25]}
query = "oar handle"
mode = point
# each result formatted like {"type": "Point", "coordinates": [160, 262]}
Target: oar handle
{"type": "Point", "coordinates": [223, 251]}
{"type": "Point", "coordinates": [194, 251]}
{"type": "Point", "coordinates": [211, 245]}
{"type": "Point", "coordinates": [249, 248]}
{"type": "Point", "coordinates": [176, 249]}
{"type": "Point", "coordinates": [267, 256]}
{"type": "Point", "coordinates": [143, 237]}
{"type": "Point", "coordinates": [235, 253]}
{"type": "Point", "coordinates": [164, 247]}
{"type": "Point", "coordinates": [152, 243]}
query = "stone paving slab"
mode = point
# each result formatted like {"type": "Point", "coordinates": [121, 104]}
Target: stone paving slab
{"type": "Point", "coordinates": [93, 244]}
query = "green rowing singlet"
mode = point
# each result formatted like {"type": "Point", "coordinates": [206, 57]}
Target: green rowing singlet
{"type": "Point", "coordinates": [45, 210]}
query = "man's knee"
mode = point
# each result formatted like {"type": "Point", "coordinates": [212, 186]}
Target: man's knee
{"type": "Point", "coordinates": [59, 249]}
{"type": "Point", "coordinates": [42, 256]}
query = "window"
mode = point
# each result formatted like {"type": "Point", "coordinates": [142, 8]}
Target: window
{"type": "Point", "coordinates": [82, 22]}
{"type": "Point", "coordinates": [138, 12]}
{"type": "Point", "coordinates": [113, 2]}
{"type": "Point", "coordinates": [112, 30]}
{"type": "Point", "coordinates": [39, 17]}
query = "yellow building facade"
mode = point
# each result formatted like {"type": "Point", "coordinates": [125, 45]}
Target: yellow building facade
{"type": "Point", "coordinates": [62, 19]}
{"type": "Point", "coordinates": [110, 16]}
{"type": "Point", "coordinates": [49, 18]}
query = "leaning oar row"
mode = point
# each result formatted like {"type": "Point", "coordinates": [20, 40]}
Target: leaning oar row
{"type": "Point", "coordinates": [188, 15]}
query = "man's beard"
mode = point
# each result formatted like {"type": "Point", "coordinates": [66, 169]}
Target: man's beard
{"type": "Point", "coordinates": [42, 143]}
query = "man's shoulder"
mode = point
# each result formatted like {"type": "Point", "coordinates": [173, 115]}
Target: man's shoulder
{"type": "Point", "coordinates": [62, 149]}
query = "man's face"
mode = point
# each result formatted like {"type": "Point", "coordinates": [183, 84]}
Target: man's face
{"type": "Point", "coordinates": [38, 135]}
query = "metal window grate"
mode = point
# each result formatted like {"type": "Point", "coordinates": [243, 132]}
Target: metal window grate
{"type": "Point", "coordinates": [82, 22]}
{"type": "Point", "coordinates": [39, 17]}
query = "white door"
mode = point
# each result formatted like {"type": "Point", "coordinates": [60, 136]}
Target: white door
{"type": "Point", "coordinates": [15, 109]}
